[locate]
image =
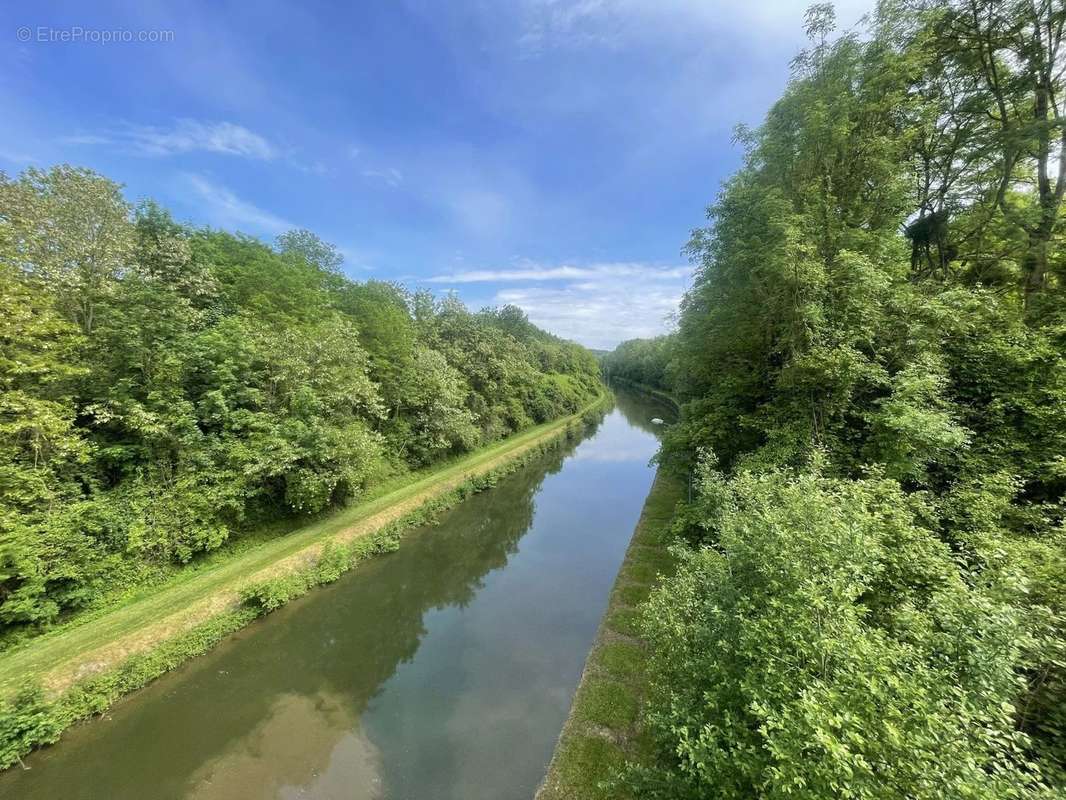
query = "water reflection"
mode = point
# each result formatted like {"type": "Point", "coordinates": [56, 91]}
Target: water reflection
{"type": "Point", "coordinates": [442, 670]}
{"type": "Point", "coordinates": [640, 409]}
{"type": "Point", "coordinates": [295, 751]}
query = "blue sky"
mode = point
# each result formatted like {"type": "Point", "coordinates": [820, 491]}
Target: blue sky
{"type": "Point", "coordinates": [550, 153]}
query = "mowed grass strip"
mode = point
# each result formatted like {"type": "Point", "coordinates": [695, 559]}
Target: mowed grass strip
{"type": "Point", "coordinates": [607, 703]}
{"type": "Point", "coordinates": [583, 766]}
{"type": "Point", "coordinates": [603, 731]}
{"type": "Point", "coordinates": [71, 653]}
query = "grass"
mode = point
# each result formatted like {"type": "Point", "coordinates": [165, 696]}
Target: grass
{"type": "Point", "coordinates": [586, 762]}
{"type": "Point", "coordinates": [103, 640]}
{"type": "Point", "coordinates": [625, 621]}
{"type": "Point", "coordinates": [620, 659]}
{"type": "Point", "coordinates": [607, 703]}
{"type": "Point", "coordinates": [634, 593]}
{"type": "Point", "coordinates": [641, 572]}
{"type": "Point", "coordinates": [603, 730]}
{"type": "Point", "coordinates": [653, 556]}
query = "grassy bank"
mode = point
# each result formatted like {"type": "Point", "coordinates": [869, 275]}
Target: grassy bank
{"type": "Point", "coordinates": [602, 730]}
{"type": "Point", "coordinates": [80, 670]}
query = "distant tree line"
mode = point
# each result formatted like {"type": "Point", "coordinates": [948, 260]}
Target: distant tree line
{"type": "Point", "coordinates": [872, 368]}
{"type": "Point", "coordinates": [164, 389]}
{"type": "Point", "coordinates": [645, 362]}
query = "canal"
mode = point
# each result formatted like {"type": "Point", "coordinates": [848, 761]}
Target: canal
{"type": "Point", "coordinates": [443, 670]}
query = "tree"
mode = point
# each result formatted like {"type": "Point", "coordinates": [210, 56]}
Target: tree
{"type": "Point", "coordinates": [165, 390]}
{"type": "Point", "coordinates": [301, 242]}
{"type": "Point", "coordinates": [872, 347]}
{"type": "Point", "coordinates": [70, 229]}
{"type": "Point", "coordinates": [42, 454]}
{"type": "Point", "coordinates": [996, 71]}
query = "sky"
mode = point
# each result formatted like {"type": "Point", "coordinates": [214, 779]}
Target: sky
{"type": "Point", "coordinates": [553, 154]}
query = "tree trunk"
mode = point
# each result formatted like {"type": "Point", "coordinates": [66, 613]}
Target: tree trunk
{"type": "Point", "coordinates": [1035, 266]}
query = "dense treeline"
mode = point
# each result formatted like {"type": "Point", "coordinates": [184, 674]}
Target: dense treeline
{"type": "Point", "coordinates": [872, 366]}
{"type": "Point", "coordinates": [164, 389]}
{"type": "Point", "coordinates": [641, 361]}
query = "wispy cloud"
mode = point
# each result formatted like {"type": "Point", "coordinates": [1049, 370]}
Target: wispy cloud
{"type": "Point", "coordinates": [226, 209]}
{"type": "Point", "coordinates": [569, 23]}
{"type": "Point", "coordinates": [390, 175]}
{"type": "Point", "coordinates": [598, 305]}
{"type": "Point", "coordinates": [573, 24]}
{"type": "Point", "coordinates": [356, 259]}
{"type": "Point", "coordinates": [537, 272]}
{"type": "Point", "coordinates": [214, 137]}
{"type": "Point", "coordinates": [17, 157]}
{"type": "Point", "coordinates": [312, 168]}
{"type": "Point", "coordinates": [185, 136]}
{"type": "Point", "coordinates": [87, 139]}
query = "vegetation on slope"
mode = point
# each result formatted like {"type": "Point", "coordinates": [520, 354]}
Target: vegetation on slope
{"type": "Point", "coordinates": [80, 671]}
{"type": "Point", "coordinates": [164, 390]}
{"type": "Point", "coordinates": [872, 368]}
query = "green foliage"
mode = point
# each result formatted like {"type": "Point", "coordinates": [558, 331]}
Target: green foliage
{"type": "Point", "coordinates": [29, 720]}
{"type": "Point", "coordinates": [871, 364]}
{"type": "Point", "coordinates": [26, 723]}
{"type": "Point", "coordinates": [645, 362]}
{"type": "Point", "coordinates": [163, 389]}
{"type": "Point", "coordinates": [829, 646]}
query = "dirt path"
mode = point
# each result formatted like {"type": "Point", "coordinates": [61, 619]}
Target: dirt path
{"type": "Point", "coordinates": [100, 644]}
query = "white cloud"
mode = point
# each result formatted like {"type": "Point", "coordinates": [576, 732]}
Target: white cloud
{"type": "Point", "coordinates": [17, 157]}
{"type": "Point", "coordinates": [356, 259]}
{"type": "Point", "coordinates": [214, 137]}
{"type": "Point", "coordinates": [570, 24]}
{"type": "Point", "coordinates": [598, 305]}
{"type": "Point", "coordinates": [392, 176]}
{"type": "Point", "coordinates": [186, 136]}
{"type": "Point", "coordinates": [599, 318]}
{"type": "Point", "coordinates": [226, 209]}
{"type": "Point", "coordinates": [86, 139]}
{"type": "Point", "coordinates": [536, 272]}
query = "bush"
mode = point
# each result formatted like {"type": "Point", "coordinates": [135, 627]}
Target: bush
{"type": "Point", "coordinates": [827, 645]}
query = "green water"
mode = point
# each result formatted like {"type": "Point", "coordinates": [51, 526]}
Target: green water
{"type": "Point", "coordinates": [444, 670]}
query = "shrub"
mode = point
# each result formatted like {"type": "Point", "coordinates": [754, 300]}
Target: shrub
{"type": "Point", "coordinates": [829, 646]}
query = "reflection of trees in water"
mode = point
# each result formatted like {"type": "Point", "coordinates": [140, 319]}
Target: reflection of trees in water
{"type": "Point", "coordinates": [347, 640]}
{"type": "Point", "coordinates": [335, 648]}
{"type": "Point", "coordinates": [639, 408]}
{"type": "Point", "coordinates": [304, 745]}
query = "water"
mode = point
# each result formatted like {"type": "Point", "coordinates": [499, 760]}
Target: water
{"type": "Point", "coordinates": [444, 670]}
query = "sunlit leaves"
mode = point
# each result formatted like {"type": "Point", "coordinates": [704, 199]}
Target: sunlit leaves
{"type": "Point", "coordinates": [162, 388]}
